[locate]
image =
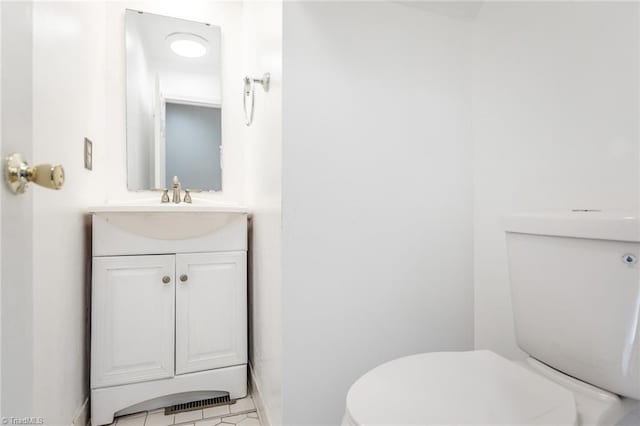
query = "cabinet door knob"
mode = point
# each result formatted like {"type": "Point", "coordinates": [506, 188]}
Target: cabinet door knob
{"type": "Point", "coordinates": [184, 277]}
{"type": "Point", "coordinates": [166, 279]}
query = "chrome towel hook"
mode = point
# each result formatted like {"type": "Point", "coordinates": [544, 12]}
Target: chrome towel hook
{"type": "Point", "coordinates": [250, 92]}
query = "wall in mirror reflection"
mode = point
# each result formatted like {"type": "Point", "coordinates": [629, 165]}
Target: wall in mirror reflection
{"type": "Point", "coordinates": [174, 104]}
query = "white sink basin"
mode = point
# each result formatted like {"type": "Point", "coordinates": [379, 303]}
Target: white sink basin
{"type": "Point", "coordinates": [153, 206]}
{"type": "Point", "coordinates": [167, 221]}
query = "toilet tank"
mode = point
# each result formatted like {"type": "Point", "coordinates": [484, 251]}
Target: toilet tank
{"type": "Point", "coordinates": [575, 287]}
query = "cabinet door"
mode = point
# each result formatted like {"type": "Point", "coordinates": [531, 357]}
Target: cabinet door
{"type": "Point", "coordinates": [211, 311]}
{"type": "Point", "coordinates": [132, 319]}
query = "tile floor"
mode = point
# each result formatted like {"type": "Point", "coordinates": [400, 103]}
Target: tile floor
{"type": "Point", "coordinates": [242, 413]}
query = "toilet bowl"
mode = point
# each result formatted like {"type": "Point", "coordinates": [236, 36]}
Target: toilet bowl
{"type": "Point", "coordinates": [562, 267]}
{"type": "Point", "coordinates": [481, 388]}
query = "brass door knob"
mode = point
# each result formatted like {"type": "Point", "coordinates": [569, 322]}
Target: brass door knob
{"type": "Point", "coordinates": [18, 174]}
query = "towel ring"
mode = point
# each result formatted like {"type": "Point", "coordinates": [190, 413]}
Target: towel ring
{"type": "Point", "coordinates": [250, 92]}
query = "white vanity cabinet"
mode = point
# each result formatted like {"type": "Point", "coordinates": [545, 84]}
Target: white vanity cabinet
{"type": "Point", "coordinates": [211, 324]}
{"type": "Point", "coordinates": [132, 319]}
{"type": "Point", "coordinates": [169, 309]}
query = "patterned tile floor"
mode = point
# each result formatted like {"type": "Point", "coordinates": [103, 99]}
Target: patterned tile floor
{"type": "Point", "coordinates": [242, 413]}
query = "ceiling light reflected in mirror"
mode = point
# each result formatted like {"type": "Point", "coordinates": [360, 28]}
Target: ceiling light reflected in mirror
{"type": "Point", "coordinates": [187, 45]}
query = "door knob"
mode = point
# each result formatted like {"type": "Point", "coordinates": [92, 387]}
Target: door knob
{"type": "Point", "coordinates": [184, 277]}
{"type": "Point", "coordinates": [18, 173]}
{"type": "Point", "coordinates": [166, 279]}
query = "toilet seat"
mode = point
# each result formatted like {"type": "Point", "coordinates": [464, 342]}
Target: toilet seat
{"type": "Point", "coordinates": [444, 388]}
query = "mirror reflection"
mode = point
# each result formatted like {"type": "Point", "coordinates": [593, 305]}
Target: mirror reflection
{"type": "Point", "coordinates": [174, 106]}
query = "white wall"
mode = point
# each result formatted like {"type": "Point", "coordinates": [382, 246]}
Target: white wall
{"type": "Point", "coordinates": [377, 192]}
{"type": "Point", "coordinates": [555, 124]}
{"type": "Point", "coordinates": [227, 15]}
{"type": "Point", "coordinates": [262, 30]}
{"type": "Point", "coordinates": [195, 86]}
{"type": "Point", "coordinates": [69, 71]}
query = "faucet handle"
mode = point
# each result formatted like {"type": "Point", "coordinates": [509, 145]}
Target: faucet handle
{"type": "Point", "coordinates": [187, 196]}
{"type": "Point", "coordinates": [165, 195]}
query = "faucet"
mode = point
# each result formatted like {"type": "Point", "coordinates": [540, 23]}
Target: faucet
{"type": "Point", "coordinates": [176, 190]}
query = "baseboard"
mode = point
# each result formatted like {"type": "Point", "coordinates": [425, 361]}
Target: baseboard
{"type": "Point", "coordinates": [257, 399]}
{"type": "Point", "coordinates": [81, 417]}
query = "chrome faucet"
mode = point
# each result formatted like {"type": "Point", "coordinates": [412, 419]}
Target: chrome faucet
{"type": "Point", "coordinates": [165, 196]}
{"type": "Point", "coordinates": [176, 190]}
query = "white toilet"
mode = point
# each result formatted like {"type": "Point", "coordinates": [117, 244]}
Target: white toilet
{"type": "Point", "coordinates": [575, 288]}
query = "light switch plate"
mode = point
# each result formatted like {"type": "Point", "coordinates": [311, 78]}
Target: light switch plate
{"type": "Point", "coordinates": [88, 154]}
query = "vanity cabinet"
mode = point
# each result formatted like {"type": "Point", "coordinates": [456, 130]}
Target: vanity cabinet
{"type": "Point", "coordinates": [132, 319]}
{"type": "Point", "coordinates": [210, 311]}
{"type": "Point", "coordinates": [170, 327]}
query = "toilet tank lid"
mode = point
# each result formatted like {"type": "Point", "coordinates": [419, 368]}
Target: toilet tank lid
{"type": "Point", "coordinates": [593, 224]}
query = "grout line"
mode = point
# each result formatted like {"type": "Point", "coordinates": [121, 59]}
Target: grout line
{"type": "Point", "coordinates": [224, 416]}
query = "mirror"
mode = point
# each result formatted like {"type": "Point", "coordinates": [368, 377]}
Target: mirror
{"type": "Point", "coordinates": [174, 105]}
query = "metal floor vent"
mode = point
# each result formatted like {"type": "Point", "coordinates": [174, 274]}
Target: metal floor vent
{"type": "Point", "coordinates": [197, 405]}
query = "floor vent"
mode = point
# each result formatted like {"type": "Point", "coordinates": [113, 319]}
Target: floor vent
{"type": "Point", "coordinates": [198, 405]}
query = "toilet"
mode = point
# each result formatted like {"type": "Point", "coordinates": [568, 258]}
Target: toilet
{"type": "Point", "coordinates": [575, 288]}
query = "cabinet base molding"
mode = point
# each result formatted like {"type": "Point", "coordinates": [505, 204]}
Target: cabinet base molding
{"type": "Point", "coordinates": [105, 402]}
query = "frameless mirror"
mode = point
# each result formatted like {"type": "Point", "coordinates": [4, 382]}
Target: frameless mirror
{"type": "Point", "coordinates": [174, 106]}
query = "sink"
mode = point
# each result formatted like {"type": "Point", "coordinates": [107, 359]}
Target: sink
{"type": "Point", "coordinates": [158, 221]}
{"type": "Point", "coordinates": [154, 206]}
